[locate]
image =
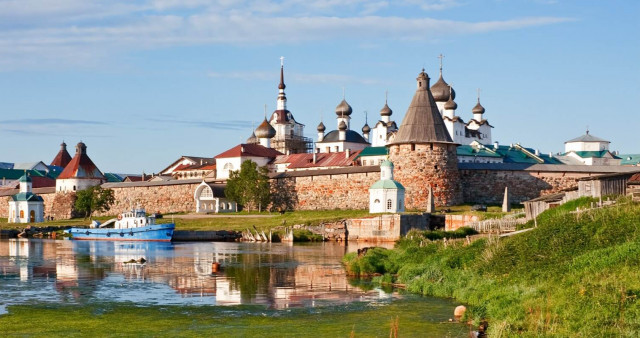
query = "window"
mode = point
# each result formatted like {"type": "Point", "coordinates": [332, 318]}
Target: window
{"type": "Point", "coordinates": [74, 188]}
{"type": "Point", "coordinates": [376, 201]}
{"type": "Point", "coordinates": [228, 166]}
{"type": "Point", "coordinates": [389, 204]}
{"type": "Point", "coordinates": [206, 193]}
{"type": "Point", "coordinates": [364, 162]}
{"type": "Point", "coordinates": [21, 213]}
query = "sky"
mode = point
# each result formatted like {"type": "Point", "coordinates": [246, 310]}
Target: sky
{"type": "Point", "coordinates": [143, 82]}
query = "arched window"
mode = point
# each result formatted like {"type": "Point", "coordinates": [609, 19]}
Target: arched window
{"type": "Point", "coordinates": [376, 201]}
{"type": "Point", "coordinates": [74, 188]}
{"type": "Point", "coordinates": [228, 166]}
{"type": "Point", "coordinates": [21, 213]}
{"type": "Point", "coordinates": [206, 193]}
{"type": "Point", "coordinates": [229, 206]}
{"type": "Point", "coordinates": [389, 204]}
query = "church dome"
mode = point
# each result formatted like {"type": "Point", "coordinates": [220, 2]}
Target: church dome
{"type": "Point", "coordinates": [441, 90]}
{"type": "Point", "coordinates": [321, 127]}
{"type": "Point", "coordinates": [342, 126]}
{"type": "Point", "coordinates": [343, 109]}
{"type": "Point", "coordinates": [366, 128]}
{"type": "Point", "coordinates": [386, 111]}
{"type": "Point", "coordinates": [451, 104]}
{"type": "Point", "coordinates": [265, 130]}
{"type": "Point", "coordinates": [478, 109]}
{"type": "Point", "coordinates": [386, 163]}
{"type": "Point", "coordinates": [25, 178]}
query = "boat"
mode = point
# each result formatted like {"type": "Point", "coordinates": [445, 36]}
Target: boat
{"type": "Point", "coordinates": [132, 225]}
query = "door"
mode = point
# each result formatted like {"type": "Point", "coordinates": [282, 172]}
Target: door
{"type": "Point", "coordinates": [32, 216]}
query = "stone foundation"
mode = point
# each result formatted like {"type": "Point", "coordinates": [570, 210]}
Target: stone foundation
{"type": "Point", "coordinates": [420, 166]}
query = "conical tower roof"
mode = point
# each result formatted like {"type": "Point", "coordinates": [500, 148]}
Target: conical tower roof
{"type": "Point", "coordinates": [81, 166]}
{"type": "Point", "coordinates": [422, 123]}
{"type": "Point", "coordinates": [62, 158]}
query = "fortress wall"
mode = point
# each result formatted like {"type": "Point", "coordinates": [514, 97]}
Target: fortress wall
{"type": "Point", "coordinates": [487, 186]}
{"type": "Point", "coordinates": [327, 192]}
{"type": "Point", "coordinates": [157, 198]}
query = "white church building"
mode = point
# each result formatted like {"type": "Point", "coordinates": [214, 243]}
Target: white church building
{"type": "Point", "coordinates": [386, 195]}
{"type": "Point", "coordinates": [25, 206]}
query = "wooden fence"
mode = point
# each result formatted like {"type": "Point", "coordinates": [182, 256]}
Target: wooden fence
{"type": "Point", "coordinates": [497, 225]}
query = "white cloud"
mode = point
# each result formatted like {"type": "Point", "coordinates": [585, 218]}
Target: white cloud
{"type": "Point", "coordinates": [83, 32]}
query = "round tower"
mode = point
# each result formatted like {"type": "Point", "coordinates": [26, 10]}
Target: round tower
{"type": "Point", "coordinates": [424, 154]}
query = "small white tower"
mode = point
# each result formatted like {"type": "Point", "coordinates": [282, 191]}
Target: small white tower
{"type": "Point", "coordinates": [386, 195]}
{"type": "Point", "coordinates": [26, 207]}
{"type": "Point", "coordinates": [321, 129]}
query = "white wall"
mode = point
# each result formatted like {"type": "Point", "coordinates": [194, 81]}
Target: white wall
{"type": "Point", "coordinates": [382, 196]}
{"type": "Point", "coordinates": [585, 146]}
{"type": "Point", "coordinates": [75, 184]}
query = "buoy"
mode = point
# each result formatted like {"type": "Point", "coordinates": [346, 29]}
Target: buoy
{"type": "Point", "coordinates": [459, 311]}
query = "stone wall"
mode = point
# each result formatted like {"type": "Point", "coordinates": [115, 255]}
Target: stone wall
{"type": "Point", "coordinates": [487, 186]}
{"type": "Point", "coordinates": [420, 166]}
{"type": "Point", "coordinates": [156, 198]}
{"type": "Point", "coordinates": [329, 192]}
{"type": "Point", "coordinates": [384, 228]}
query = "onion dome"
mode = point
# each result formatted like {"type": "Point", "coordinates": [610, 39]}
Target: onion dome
{"type": "Point", "coordinates": [366, 128]}
{"type": "Point", "coordinates": [343, 109]}
{"type": "Point", "coordinates": [442, 91]}
{"type": "Point", "coordinates": [321, 127]}
{"type": "Point", "coordinates": [386, 111]}
{"type": "Point", "coordinates": [252, 139]}
{"type": "Point", "coordinates": [478, 109]}
{"type": "Point", "coordinates": [451, 104]}
{"type": "Point", "coordinates": [342, 126]}
{"type": "Point", "coordinates": [265, 130]}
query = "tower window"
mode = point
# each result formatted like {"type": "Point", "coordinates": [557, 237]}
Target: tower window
{"type": "Point", "coordinates": [389, 204]}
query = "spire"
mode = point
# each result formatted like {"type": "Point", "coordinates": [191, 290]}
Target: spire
{"type": "Point", "coordinates": [440, 57]}
{"type": "Point", "coordinates": [281, 86]}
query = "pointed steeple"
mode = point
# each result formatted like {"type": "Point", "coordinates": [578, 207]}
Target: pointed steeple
{"type": "Point", "coordinates": [422, 123]}
{"type": "Point", "coordinates": [281, 86]}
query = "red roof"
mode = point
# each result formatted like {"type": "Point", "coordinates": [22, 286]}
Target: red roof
{"type": "Point", "coordinates": [254, 150]}
{"type": "Point", "coordinates": [323, 160]}
{"type": "Point", "coordinates": [81, 166]}
{"type": "Point", "coordinates": [62, 158]}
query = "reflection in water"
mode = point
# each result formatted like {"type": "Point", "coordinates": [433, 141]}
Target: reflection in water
{"type": "Point", "coordinates": [271, 274]}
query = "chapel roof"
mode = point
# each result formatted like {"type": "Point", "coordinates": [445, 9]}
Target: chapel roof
{"type": "Point", "coordinates": [587, 138]}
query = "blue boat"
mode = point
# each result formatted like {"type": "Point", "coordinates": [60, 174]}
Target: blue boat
{"type": "Point", "coordinates": [133, 225]}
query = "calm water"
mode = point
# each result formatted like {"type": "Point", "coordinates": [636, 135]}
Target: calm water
{"type": "Point", "coordinates": [276, 276]}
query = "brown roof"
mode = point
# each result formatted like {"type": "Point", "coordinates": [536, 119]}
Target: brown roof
{"type": "Point", "coordinates": [62, 158]}
{"type": "Point", "coordinates": [81, 166]}
{"type": "Point", "coordinates": [254, 150]}
{"type": "Point", "coordinates": [305, 160]}
{"type": "Point", "coordinates": [422, 123]}
{"type": "Point", "coordinates": [335, 171]}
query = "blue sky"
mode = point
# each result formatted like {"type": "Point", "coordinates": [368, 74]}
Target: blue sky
{"type": "Point", "coordinates": [143, 82]}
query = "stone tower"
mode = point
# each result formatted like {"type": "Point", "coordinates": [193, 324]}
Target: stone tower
{"type": "Point", "coordinates": [424, 153]}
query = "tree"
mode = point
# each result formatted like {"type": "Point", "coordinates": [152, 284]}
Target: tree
{"type": "Point", "coordinates": [94, 199]}
{"type": "Point", "coordinates": [249, 186]}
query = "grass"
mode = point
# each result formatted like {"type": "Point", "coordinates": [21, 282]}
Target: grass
{"type": "Point", "coordinates": [574, 275]}
{"type": "Point", "coordinates": [406, 317]}
{"type": "Point", "coordinates": [236, 221]}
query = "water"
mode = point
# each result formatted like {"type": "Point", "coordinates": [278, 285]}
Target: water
{"type": "Point", "coordinates": [273, 276]}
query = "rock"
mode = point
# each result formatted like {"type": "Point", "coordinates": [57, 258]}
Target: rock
{"type": "Point", "coordinates": [459, 311]}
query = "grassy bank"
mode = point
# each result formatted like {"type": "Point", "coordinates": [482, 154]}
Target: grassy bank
{"type": "Point", "coordinates": [416, 317]}
{"type": "Point", "coordinates": [574, 275]}
{"type": "Point", "coordinates": [236, 221]}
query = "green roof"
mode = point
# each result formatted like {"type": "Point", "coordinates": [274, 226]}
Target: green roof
{"type": "Point", "coordinates": [589, 154]}
{"type": "Point", "coordinates": [26, 196]}
{"type": "Point", "coordinates": [386, 163]}
{"type": "Point", "coordinates": [113, 178]}
{"type": "Point", "coordinates": [15, 174]}
{"type": "Point", "coordinates": [25, 178]}
{"type": "Point", "coordinates": [514, 155]}
{"type": "Point", "coordinates": [373, 151]}
{"type": "Point", "coordinates": [630, 159]}
{"type": "Point", "coordinates": [387, 184]}
{"type": "Point", "coordinates": [467, 150]}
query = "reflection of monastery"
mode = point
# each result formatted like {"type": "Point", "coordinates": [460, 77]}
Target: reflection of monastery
{"type": "Point", "coordinates": [278, 277]}
{"type": "Point", "coordinates": [435, 147]}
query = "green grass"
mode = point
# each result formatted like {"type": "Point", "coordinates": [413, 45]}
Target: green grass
{"type": "Point", "coordinates": [415, 316]}
{"type": "Point", "coordinates": [574, 275]}
{"type": "Point", "coordinates": [232, 221]}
